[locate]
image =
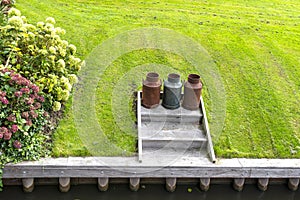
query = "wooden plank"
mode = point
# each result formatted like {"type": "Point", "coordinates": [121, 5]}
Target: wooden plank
{"type": "Point", "coordinates": [187, 139]}
{"type": "Point", "coordinates": [140, 141]}
{"type": "Point", "coordinates": [176, 134]}
{"type": "Point", "coordinates": [177, 144]}
{"type": "Point", "coordinates": [180, 162]}
{"type": "Point", "coordinates": [210, 148]}
{"type": "Point", "coordinates": [186, 172]}
{"type": "Point", "coordinates": [161, 114]}
{"type": "Point", "coordinates": [131, 162]}
{"type": "Point", "coordinates": [157, 168]}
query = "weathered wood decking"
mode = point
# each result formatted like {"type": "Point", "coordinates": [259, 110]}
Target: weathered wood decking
{"type": "Point", "coordinates": [130, 167]}
{"type": "Point", "coordinates": [105, 168]}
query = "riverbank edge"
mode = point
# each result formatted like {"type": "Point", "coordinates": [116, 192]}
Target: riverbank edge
{"type": "Point", "coordinates": [78, 170]}
{"type": "Point", "coordinates": [183, 167]}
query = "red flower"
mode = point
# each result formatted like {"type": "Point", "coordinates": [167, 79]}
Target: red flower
{"type": "Point", "coordinates": [4, 100]}
{"type": "Point", "coordinates": [11, 118]}
{"type": "Point", "coordinates": [14, 128]}
{"type": "Point", "coordinates": [25, 115]}
{"type": "Point", "coordinates": [5, 2]}
{"type": "Point", "coordinates": [33, 96]}
{"type": "Point", "coordinates": [18, 93]}
{"type": "Point", "coordinates": [17, 144]}
{"type": "Point", "coordinates": [40, 99]}
{"type": "Point", "coordinates": [33, 114]}
{"type": "Point", "coordinates": [15, 77]}
{"type": "Point", "coordinates": [46, 114]}
{"type": "Point", "coordinates": [35, 88]}
{"type": "Point", "coordinates": [25, 82]}
{"type": "Point", "coordinates": [37, 105]}
{"type": "Point", "coordinates": [29, 101]}
{"type": "Point", "coordinates": [2, 94]}
{"type": "Point", "coordinates": [3, 130]}
{"type": "Point", "coordinates": [29, 122]}
{"type": "Point", "coordinates": [7, 135]}
{"type": "Point", "coordinates": [25, 90]}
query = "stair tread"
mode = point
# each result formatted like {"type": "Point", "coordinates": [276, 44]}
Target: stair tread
{"type": "Point", "coordinates": [180, 112]}
{"type": "Point", "coordinates": [172, 131]}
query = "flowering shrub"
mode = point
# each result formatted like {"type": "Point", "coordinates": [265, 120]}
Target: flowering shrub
{"type": "Point", "coordinates": [5, 5]}
{"type": "Point", "coordinates": [22, 118]}
{"type": "Point", "coordinates": [39, 54]}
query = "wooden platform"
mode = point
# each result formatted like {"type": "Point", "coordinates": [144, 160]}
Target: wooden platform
{"type": "Point", "coordinates": [183, 167]}
{"type": "Point", "coordinates": [117, 169]}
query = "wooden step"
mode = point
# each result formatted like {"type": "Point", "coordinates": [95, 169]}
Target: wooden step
{"type": "Point", "coordinates": [180, 144]}
{"type": "Point", "coordinates": [161, 114]}
{"type": "Point", "coordinates": [174, 135]}
{"type": "Point", "coordinates": [171, 153]}
{"type": "Point", "coordinates": [179, 135]}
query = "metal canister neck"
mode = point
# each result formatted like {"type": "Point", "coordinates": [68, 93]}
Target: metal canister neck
{"type": "Point", "coordinates": [174, 78]}
{"type": "Point", "coordinates": [193, 78]}
{"type": "Point", "coordinates": [152, 77]}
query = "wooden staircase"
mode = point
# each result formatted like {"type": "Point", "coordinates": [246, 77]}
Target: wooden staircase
{"type": "Point", "coordinates": [169, 134]}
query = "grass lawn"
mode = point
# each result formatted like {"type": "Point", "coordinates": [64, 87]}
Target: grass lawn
{"type": "Point", "coordinates": [255, 46]}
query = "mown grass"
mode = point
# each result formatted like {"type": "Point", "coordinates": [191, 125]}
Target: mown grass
{"type": "Point", "coordinates": [255, 45]}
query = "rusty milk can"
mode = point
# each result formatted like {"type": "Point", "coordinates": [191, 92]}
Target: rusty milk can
{"type": "Point", "coordinates": [172, 92]}
{"type": "Point", "coordinates": [151, 90]}
{"type": "Point", "coordinates": [192, 92]}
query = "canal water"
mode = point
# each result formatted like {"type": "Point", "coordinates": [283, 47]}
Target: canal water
{"type": "Point", "coordinates": [151, 192]}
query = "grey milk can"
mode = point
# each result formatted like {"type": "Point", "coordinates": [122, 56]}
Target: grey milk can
{"type": "Point", "coordinates": [172, 92]}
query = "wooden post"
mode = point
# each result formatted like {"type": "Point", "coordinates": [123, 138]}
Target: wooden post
{"type": "Point", "coordinates": [134, 184]}
{"type": "Point", "coordinates": [103, 184]}
{"type": "Point", "coordinates": [263, 184]}
{"type": "Point", "coordinates": [28, 184]}
{"type": "Point", "coordinates": [238, 184]}
{"type": "Point", "coordinates": [293, 184]}
{"type": "Point", "coordinates": [64, 184]}
{"type": "Point", "coordinates": [171, 184]}
{"type": "Point", "coordinates": [204, 184]}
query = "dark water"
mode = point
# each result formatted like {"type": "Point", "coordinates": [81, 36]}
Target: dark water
{"type": "Point", "coordinates": [151, 192]}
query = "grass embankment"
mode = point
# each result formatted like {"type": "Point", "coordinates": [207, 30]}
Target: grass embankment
{"type": "Point", "coordinates": [255, 45]}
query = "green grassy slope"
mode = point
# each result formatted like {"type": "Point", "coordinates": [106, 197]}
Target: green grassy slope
{"type": "Point", "coordinates": [255, 44]}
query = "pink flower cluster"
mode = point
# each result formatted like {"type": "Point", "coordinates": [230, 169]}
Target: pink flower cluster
{"type": "Point", "coordinates": [19, 80]}
{"type": "Point", "coordinates": [23, 98]}
{"type": "Point", "coordinates": [5, 2]}
{"type": "Point", "coordinates": [5, 133]}
{"type": "Point", "coordinates": [27, 88]}
{"type": "Point", "coordinates": [3, 98]}
{"type": "Point", "coordinates": [17, 144]}
{"type": "Point", "coordinates": [11, 118]}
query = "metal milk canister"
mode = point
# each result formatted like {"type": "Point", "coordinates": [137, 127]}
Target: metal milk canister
{"type": "Point", "coordinates": [172, 92]}
{"type": "Point", "coordinates": [151, 90]}
{"type": "Point", "coordinates": [192, 92]}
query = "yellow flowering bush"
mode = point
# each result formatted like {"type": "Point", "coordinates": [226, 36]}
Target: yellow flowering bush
{"type": "Point", "coordinates": [38, 53]}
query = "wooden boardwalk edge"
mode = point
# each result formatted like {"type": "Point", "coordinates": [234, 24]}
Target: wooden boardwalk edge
{"type": "Point", "coordinates": [129, 167]}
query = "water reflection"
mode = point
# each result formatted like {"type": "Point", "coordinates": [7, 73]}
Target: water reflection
{"type": "Point", "coordinates": [150, 192]}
